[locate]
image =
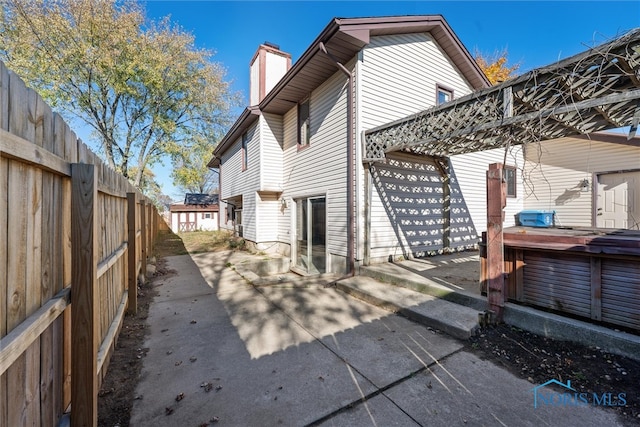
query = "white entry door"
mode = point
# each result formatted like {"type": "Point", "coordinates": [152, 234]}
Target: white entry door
{"type": "Point", "coordinates": [617, 200]}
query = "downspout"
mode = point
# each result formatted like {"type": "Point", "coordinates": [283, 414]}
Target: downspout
{"type": "Point", "coordinates": [350, 165]}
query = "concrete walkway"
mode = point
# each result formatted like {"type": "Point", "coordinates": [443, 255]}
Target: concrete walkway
{"type": "Point", "coordinates": [223, 351]}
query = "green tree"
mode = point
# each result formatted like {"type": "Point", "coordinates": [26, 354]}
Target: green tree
{"type": "Point", "coordinates": [495, 66]}
{"type": "Point", "coordinates": [142, 86]}
{"type": "Point", "coordinates": [191, 173]}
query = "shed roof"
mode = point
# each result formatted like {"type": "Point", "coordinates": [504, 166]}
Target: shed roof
{"type": "Point", "coordinates": [200, 199]}
{"type": "Point", "coordinates": [595, 90]}
{"type": "Point", "coordinates": [344, 38]}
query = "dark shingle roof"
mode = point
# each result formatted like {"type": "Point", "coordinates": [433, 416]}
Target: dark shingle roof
{"type": "Point", "coordinates": [200, 199]}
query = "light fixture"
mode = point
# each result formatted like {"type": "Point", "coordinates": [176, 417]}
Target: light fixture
{"type": "Point", "coordinates": [584, 185]}
{"type": "Point", "coordinates": [283, 203]}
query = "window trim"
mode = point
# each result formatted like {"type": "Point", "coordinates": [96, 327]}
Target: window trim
{"type": "Point", "coordinates": [244, 155]}
{"type": "Point", "coordinates": [444, 89]}
{"type": "Point", "coordinates": [299, 144]}
{"type": "Point", "coordinates": [515, 181]}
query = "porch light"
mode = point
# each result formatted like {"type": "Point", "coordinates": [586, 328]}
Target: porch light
{"type": "Point", "coordinates": [584, 185]}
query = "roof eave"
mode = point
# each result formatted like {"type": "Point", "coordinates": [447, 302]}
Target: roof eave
{"type": "Point", "coordinates": [242, 123]}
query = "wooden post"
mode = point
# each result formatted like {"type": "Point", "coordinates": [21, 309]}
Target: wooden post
{"type": "Point", "coordinates": [85, 301]}
{"type": "Point", "coordinates": [496, 201]}
{"type": "Point", "coordinates": [443, 166]}
{"type": "Point", "coordinates": [132, 277]}
{"type": "Point", "coordinates": [143, 239]}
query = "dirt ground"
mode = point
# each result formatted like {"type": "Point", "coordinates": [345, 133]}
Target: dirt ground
{"type": "Point", "coordinates": [535, 358]}
{"type": "Point", "coordinates": [117, 393]}
{"type": "Point", "coordinates": [539, 359]}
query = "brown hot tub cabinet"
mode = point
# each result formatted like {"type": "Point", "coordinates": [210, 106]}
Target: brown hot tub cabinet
{"type": "Point", "coordinates": [587, 272]}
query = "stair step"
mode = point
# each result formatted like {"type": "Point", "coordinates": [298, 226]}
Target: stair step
{"type": "Point", "coordinates": [454, 319]}
{"type": "Point", "coordinates": [396, 275]}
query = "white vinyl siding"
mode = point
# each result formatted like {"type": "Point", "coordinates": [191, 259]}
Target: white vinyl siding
{"type": "Point", "coordinates": [399, 77]}
{"type": "Point", "coordinates": [470, 173]}
{"type": "Point", "coordinates": [271, 153]}
{"type": "Point", "coordinates": [267, 219]}
{"type": "Point", "coordinates": [406, 207]}
{"type": "Point", "coordinates": [289, 135]}
{"type": "Point", "coordinates": [554, 170]}
{"type": "Point", "coordinates": [320, 168]}
{"type": "Point", "coordinates": [236, 182]}
{"type": "Point", "coordinates": [271, 159]}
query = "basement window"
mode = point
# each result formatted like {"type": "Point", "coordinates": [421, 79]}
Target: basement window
{"type": "Point", "coordinates": [304, 124]}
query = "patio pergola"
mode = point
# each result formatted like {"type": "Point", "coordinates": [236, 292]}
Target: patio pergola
{"type": "Point", "coordinates": [596, 90]}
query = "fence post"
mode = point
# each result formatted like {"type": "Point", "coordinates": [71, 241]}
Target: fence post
{"type": "Point", "coordinates": [496, 201]}
{"type": "Point", "coordinates": [143, 239]}
{"type": "Point", "coordinates": [132, 277]}
{"type": "Point", "coordinates": [85, 301]}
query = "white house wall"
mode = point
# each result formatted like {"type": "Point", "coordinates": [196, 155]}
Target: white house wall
{"type": "Point", "coordinates": [399, 76]}
{"type": "Point", "coordinates": [271, 156]}
{"type": "Point", "coordinates": [406, 207]}
{"type": "Point", "coordinates": [470, 172]}
{"type": "Point", "coordinates": [320, 168]}
{"type": "Point", "coordinates": [554, 170]}
{"type": "Point", "coordinates": [237, 182]}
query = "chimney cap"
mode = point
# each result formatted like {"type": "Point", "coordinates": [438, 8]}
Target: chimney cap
{"type": "Point", "coordinates": [271, 44]}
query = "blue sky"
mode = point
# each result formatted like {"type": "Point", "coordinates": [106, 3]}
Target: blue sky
{"type": "Point", "coordinates": [534, 33]}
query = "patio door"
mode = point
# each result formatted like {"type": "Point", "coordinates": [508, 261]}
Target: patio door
{"type": "Point", "coordinates": [311, 250]}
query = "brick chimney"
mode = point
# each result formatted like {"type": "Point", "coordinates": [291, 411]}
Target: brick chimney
{"type": "Point", "coordinates": [267, 67]}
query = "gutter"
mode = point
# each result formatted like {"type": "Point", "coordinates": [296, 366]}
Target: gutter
{"type": "Point", "coordinates": [350, 165]}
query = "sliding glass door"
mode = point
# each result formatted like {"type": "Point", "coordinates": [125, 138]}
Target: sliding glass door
{"type": "Point", "coordinates": [311, 250]}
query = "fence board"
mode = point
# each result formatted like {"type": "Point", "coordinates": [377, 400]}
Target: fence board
{"type": "Point", "coordinates": [84, 389]}
{"type": "Point", "coordinates": [4, 166]}
{"type": "Point", "coordinates": [47, 377]}
{"type": "Point", "coordinates": [37, 149]}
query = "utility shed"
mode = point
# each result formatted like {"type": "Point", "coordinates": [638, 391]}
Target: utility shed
{"type": "Point", "coordinates": [199, 212]}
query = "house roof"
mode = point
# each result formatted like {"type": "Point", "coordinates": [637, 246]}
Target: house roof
{"type": "Point", "coordinates": [344, 38]}
{"type": "Point", "coordinates": [200, 199]}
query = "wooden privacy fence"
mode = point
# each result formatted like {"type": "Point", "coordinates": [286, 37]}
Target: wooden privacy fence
{"type": "Point", "coordinates": [74, 239]}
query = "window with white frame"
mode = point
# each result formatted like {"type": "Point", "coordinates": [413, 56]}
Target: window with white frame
{"type": "Point", "coordinates": [443, 94]}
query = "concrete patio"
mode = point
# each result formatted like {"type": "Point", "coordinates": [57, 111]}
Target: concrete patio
{"type": "Point", "coordinates": [221, 350]}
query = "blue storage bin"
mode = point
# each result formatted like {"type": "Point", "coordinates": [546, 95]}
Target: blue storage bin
{"type": "Point", "coordinates": [535, 218]}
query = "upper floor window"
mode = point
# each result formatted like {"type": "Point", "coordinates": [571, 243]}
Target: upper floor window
{"type": "Point", "coordinates": [245, 156]}
{"type": "Point", "coordinates": [443, 94]}
{"type": "Point", "coordinates": [304, 124]}
{"type": "Point", "coordinates": [510, 179]}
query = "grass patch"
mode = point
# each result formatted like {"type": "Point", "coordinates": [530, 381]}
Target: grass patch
{"type": "Point", "coordinates": [169, 244]}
